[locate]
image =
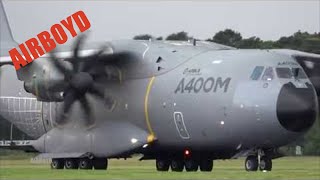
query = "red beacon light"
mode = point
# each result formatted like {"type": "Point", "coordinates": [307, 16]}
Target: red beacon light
{"type": "Point", "coordinates": [187, 152]}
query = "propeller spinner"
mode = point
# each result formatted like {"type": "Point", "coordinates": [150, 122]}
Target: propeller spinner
{"type": "Point", "coordinates": [79, 81]}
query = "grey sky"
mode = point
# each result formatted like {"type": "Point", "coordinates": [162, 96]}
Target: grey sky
{"type": "Point", "coordinates": [121, 20]}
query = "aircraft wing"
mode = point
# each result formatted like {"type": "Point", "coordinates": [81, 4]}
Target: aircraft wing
{"type": "Point", "coordinates": [299, 54]}
{"type": "Point", "coordinates": [4, 60]}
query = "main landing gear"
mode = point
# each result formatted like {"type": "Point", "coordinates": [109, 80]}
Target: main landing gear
{"type": "Point", "coordinates": [80, 163]}
{"type": "Point", "coordinates": [190, 165]}
{"type": "Point", "coordinates": [252, 163]}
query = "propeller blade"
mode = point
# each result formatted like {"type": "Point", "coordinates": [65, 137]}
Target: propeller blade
{"type": "Point", "coordinates": [93, 59]}
{"type": "Point", "coordinates": [78, 44]}
{"type": "Point", "coordinates": [69, 99]}
{"type": "Point", "coordinates": [59, 64]}
{"type": "Point", "coordinates": [87, 110]}
{"type": "Point", "coordinates": [97, 90]}
{"type": "Point", "coordinates": [76, 55]}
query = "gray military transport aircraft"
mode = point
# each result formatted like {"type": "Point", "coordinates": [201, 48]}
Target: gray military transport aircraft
{"type": "Point", "coordinates": [183, 104]}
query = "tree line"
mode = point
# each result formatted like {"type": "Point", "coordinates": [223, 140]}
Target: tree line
{"type": "Point", "coordinates": [303, 41]}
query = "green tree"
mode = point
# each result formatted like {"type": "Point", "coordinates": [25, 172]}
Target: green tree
{"type": "Point", "coordinates": [227, 37]}
{"type": "Point", "coordinates": [267, 45]}
{"type": "Point", "coordinates": [250, 43]}
{"type": "Point", "coordinates": [143, 37]}
{"type": "Point", "coordinates": [159, 38]}
{"type": "Point", "coordinates": [312, 141]}
{"type": "Point", "coordinates": [180, 36]}
{"type": "Point", "coordinates": [302, 41]}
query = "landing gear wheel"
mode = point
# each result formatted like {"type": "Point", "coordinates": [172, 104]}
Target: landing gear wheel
{"type": "Point", "coordinates": [85, 164]}
{"type": "Point", "coordinates": [191, 165]}
{"type": "Point", "coordinates": [57, 164]}
{"type": "Point", "coordinates": [206, 165]}
{"type": "Point", "coordinates": [177, 165]}
{"type": "Point", "coordinates": [251, 163]}
{"type": "Point", "coordinates": [265, 164]}
{"type": "Point", "coordinates": [100, 163]}
{"type": "Point", "coordinates": [71, 164]}
{"type": "Point", "coordinates": [162, 164]}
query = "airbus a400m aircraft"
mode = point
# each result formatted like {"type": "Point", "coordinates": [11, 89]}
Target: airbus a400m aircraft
{"type": "Point", "coordinates": [182, 104]}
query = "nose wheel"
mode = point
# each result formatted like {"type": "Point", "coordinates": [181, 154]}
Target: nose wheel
{"type": "Point", "coordinates": [265, 163]}
{"type": "Point", "coordinates": [252, 163]}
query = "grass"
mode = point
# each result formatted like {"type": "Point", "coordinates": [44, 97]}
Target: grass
{"type": "Point", "coordinates": [283, 168]}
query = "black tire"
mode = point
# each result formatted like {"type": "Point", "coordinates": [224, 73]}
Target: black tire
{"type": "Point", "coordinates": [191, 165]}
{"type": "Point", "coordinates": [162, 164]}
{"type": "Point", "coordinates": [71, 164]}
{"type": "Point", "coordinates": [177, 165]}
{"type": "Point", "coordinates": [206, 165]}
{"type": "Point", "coordinates": [85, 163]}
{"type": "Point", "coordinates": [100, 163]}
{"type": "Point", "coordinates": [251, 163]}
{"type": "Point", "coordinates": [57, 164]}
{"type": "Point", "coordinates": [265, 164]}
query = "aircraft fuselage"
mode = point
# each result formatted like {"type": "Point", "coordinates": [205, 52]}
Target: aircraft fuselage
{"type": "Point", "coordinates": [191, 98]}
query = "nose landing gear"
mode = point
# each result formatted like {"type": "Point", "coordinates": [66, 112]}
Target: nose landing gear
{"type": "Point", "coordinates": [265, 163]}
{"type": "Point", "coordinates": [261, 161]}
{"type": "Point", "coordinates": [251, 163]}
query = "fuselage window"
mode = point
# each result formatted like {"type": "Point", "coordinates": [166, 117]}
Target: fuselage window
{"type": "Point", "coordinates": [268, 74]}
{"type": "Point", "coordinates": [299, 73]}
{"type": "Point", "coordinates": [257, 72]}
{"type": "Point", "coordinates": [284, 73]}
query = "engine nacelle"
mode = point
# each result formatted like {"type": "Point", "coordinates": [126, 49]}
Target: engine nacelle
{"type": "Point", "coordinates": [46, 86]}
{"type": "Point", "coordinates": [41, 92]}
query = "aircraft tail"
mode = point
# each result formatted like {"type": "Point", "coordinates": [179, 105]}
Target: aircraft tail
{"type": "Point", "coordinates": [6, 39]}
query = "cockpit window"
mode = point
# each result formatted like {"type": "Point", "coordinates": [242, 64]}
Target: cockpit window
{"type": "Point", "coordinates": [288, 73]}
{"type": "Point", "coordinates": [285, 73]}
{"type": "Point", "coordinates": [257, 72]}
{"type": "Point", "coordinates": [299, 73]}
{"type": "Point", "coordinates": [268, 74]}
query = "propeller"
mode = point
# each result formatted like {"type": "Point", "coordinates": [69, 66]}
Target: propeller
{"type": "Point", "coordinates": [79, 81]}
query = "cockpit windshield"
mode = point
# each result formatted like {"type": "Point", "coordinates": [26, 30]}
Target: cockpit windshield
{"type": "Point", "coordinates": [299, 73]}
{"type": "Point", "coordinates": [288, 73]}
{"type": "Point", "coordinates": [284, 73]}
{"type": "Point", "coordinates": [268, 74]}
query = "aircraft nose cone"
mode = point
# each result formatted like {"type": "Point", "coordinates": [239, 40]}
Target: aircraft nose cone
{"type": "Point", "coordinates": [297, 107]}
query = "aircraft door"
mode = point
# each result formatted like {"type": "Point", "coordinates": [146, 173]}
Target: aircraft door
{"type": "Point", "coordinates": [180, 125]}
{"type": "Point", "coordinates": [47, 115]}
